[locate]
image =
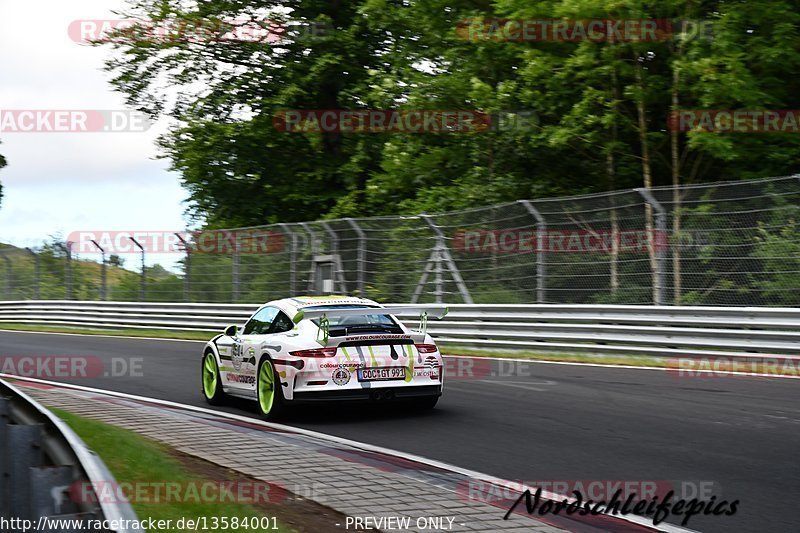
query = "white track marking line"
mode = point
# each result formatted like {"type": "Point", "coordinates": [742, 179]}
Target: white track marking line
{"type": "Point", "coordinates": [532, 361]}
{"type": "Point", "coordinates": [669, 528]}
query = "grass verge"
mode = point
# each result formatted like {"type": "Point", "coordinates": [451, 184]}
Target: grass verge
{"type": "Point", "coordinates": [133, 458]}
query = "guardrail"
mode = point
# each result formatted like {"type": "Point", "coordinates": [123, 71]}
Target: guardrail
{"type": "Point", "coordinates": [614, 329]}
{"type": "Point", "coordinates": [43, 463]}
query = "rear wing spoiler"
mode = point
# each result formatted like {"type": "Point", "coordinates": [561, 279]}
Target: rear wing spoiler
{"type": "Point", "coordinates": [423, 312]}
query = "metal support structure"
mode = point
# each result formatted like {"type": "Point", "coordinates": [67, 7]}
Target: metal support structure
{"type": "Point", "coordinates": [292, 258]}
{"type": "Point", "coordinates": [541, 265]}
{"type": "Point", "coordinates": [186, 268]}
{"type": "Point", "coordinates": [103, 286]}
{"type": "Point", "coordinates": [362, 256]}
{"type": "Point", "coordinates": [312, 273]}
{"type": "Point", "coordinates": [440, 254]}
{"type": "Point", "coordinates": [142, 282]}
{"type": "Point", "coordinates": [338, 274]}
{"type": "Point", "coordinates": [7, 289]}
{"type": "Point", "coordinates": [37, 278]}
{"type": "Point", "coordinates": [235, 259]}
{"type": "Point", "coordinates": [655, 248]}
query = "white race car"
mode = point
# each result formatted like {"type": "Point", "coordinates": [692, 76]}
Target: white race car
{"type": "Point", "coordinates": [325, 348]}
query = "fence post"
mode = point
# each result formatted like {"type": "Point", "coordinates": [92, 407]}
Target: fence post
{"type": "Point", "coordinates": [292, 258]}
{"type": "Point", "coordinates": [102, 270]}
{"type": "Point", "coordinates": [187, 268]}
{"type": "Point", "coordinates": [7, 289]}
{"type": "Point", "coordinates": [362, 254]}
{"type": "Point", "coordinates": [312, 273]}
{"type": "Point", "coordinates": [655, 248]}
{"type": "Point", "coordinates": [68, 270]}
{"type": "Point", "coordinates": [142, 281]}
{"type": "Point", "coordinates": [541, 267]}
{"type": "Point", "coordinates": [36, 274]}
{"type": "Point", "coordinates": [338, 275]}
{"type": "Point", "coordinates": [235, 268]}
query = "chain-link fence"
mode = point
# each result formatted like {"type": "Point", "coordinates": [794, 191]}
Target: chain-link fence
{"type": "Point", "coordinates": [733, 243]}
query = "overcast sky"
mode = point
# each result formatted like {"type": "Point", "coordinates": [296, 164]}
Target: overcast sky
{"type": "Point", "coordinates": [56, 183]}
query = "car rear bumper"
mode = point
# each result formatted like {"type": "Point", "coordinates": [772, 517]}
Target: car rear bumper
{"type": "Point", "coordinates": [383, 393]}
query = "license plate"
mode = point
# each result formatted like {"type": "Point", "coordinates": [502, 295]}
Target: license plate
{"type": "Point", "coordinates": [381, 374]}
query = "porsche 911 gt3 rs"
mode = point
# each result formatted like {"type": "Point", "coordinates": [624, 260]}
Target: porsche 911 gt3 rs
{"type": "Point", "coordinates": [325, 348]}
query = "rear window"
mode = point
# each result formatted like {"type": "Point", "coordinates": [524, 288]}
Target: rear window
{"type": "Point", "coordinates": [344, 325]}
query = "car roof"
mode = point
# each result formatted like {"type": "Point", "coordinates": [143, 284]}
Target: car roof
{"type": "Point", "coordinates": [296, 303]}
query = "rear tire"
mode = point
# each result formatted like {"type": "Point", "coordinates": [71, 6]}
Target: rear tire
{"type": "Point", "coordinates": [211, 380]}
{"type": "Point", "coordinates": [269, 391]}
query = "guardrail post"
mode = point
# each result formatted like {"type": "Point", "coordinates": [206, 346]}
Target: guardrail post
{"type": "Point", "coordinates": [653, 242]}
{"type": "Point", "coordinates": [292, 258]}
{"type": "Point", "coordinates": [36, 273]}
{"type": "Point", "coordinates": [362, 254]}
{"type": "Point", "coordinates": [541, 266]}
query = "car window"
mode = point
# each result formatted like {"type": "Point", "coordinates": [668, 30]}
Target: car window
{"type": "Point", "coordinates": [281, 323]}
{"type": "Point", "coordinates": [365, 322]}
{"type": "Point", "coordinates": [261, 322]}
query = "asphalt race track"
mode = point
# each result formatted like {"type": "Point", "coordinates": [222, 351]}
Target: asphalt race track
{"type": "Point", "coordinates": [538, 422]}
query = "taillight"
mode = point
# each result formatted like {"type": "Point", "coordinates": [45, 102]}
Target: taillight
{"type": "Point", "coordinates": [318, 352]}
{"type": "Point", "coordinates": [426, 348]}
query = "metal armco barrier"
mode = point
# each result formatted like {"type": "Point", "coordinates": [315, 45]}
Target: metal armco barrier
{"type": "Point", "coordinates": [43, 464]}
{"type": "Point", "coordinates": [661, 331]}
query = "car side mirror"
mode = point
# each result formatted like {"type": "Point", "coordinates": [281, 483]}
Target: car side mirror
{"type": "Point", "coordinates": [230, 331]}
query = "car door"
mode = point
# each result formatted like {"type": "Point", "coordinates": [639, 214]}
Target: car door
{"type": "Point", "coordinates": [244, 352]}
